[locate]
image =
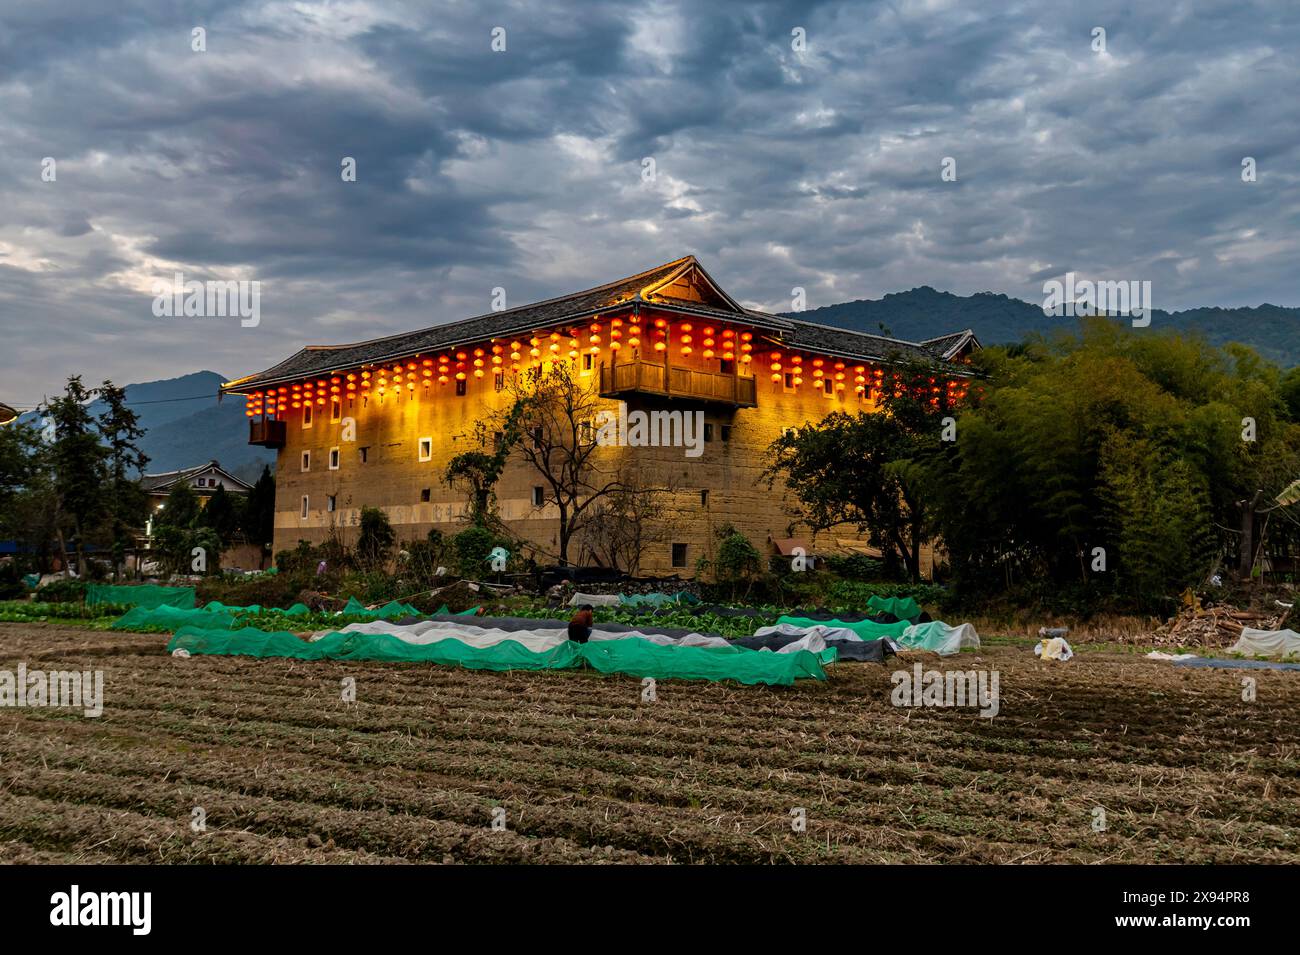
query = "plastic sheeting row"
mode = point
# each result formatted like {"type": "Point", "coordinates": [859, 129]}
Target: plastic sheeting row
{"type": "Point", "coordinates": [934, 635]}
{"type": "Point", "coordinates": [219, 616]}
{"type": "Point", "coordinates": [477, 648]}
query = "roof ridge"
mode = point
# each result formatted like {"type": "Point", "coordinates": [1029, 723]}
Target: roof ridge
{"type": "Point", "coordinates": [506, 311]}
{"type": "Point", "coordinates": [854, 331]}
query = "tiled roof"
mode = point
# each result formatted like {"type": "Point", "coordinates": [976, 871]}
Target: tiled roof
{"type": "Point", "coordinates": [945, 346]}
{"type": "Point", "coordinates": [321, 359]}
{"type": "Point", "coordinates": [162, 480]}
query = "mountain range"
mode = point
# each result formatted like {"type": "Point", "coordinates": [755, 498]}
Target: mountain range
{"type": "Point", "coordinates": [186, 425]}
{"type": "Point", "coordinates": [921, 313]}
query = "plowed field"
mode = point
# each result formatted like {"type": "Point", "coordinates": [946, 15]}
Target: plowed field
{"type": "Point", "coordinates": [283, 770]}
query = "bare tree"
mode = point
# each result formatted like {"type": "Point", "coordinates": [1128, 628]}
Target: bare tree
{"type": "Point", "coordinates": [627, 522]}
{"type": "Point", "coordinates": [549, 426]}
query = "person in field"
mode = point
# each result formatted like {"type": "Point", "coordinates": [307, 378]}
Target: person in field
{"type": "Point", "coordinates": [580, 625]}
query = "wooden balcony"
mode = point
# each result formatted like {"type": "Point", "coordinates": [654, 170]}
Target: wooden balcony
{"type": "Point", "coordinates": [266, 432]}
{"type": "Point", "coordinates": [671, 381]}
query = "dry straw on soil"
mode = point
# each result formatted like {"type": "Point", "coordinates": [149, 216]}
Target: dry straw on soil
{"type": "Point", "coordinates": [286, 772]}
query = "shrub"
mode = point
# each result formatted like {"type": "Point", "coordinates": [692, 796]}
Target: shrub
{"type": "Point", "coordinates": [266, 590]}
{"type": "Point", "coordinates": [471, 548]}
{"type": "Point", "coordinates": [376, 539]}
{"type": "Point", "coordinates": [855, 566]}
{"type": "Point", "coordinates": [11, 582]}
{"type": "Point", "coordinates": [62, 591]}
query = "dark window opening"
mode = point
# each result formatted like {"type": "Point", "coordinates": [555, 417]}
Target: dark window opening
{"type": "Point", "coordinates": [424, 495]}
{"type": "Point", "coordinates": [728, 366]}
{"type": "Point", "coordinates": [726, 432]}
{"type": "Point", "coordinates": [679, 555]}
{"type": "Point", "coordinates": [460, 387]}
{"type": "Point", "coordinates": [704, 498]}
{"type": "Point", "coordinates": [539, 496]}
{"type": "Point", "coordinates": [708, 431]}
{"type": "Point", "coordinates": [363, 453]}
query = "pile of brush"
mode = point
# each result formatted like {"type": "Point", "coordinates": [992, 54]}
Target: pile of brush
{"type": "Point", "coordinates": [1215, 626]}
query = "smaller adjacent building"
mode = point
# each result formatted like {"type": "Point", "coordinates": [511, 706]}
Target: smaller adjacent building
{"type": "Point", "coordinates": [204, 479]}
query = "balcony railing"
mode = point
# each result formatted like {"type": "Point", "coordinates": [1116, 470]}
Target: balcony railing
{"type": "Point", "coordinates": [672, 381]}
{"type": "Point", "coordinates": [267, 432]}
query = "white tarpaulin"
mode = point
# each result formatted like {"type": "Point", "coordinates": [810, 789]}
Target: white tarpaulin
{"type": "Point", "coordinates": [826, 633]}
{"type": "Point", "coordinates": [596, 600]}
{"type": "Point", "coordinates": [939, 637]}
{"type": "Point", "coordinates": [425, 632]}
{"type": "Point", "coordinates": [1267, 643]}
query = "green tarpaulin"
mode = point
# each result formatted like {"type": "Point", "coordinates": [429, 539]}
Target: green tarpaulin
{"type": "Point", "coordinates": [389, 611]}
{"type": "Point", "coordinates": [866, 629]}
{"type": "Point", "coordinates": [904, 608]}
{"type": "Point", "coordinates": [141, 595]}
{"type": "Point", "coordinates": [173, 619]}
{"type": "Point", "coordinates": [632, 656]}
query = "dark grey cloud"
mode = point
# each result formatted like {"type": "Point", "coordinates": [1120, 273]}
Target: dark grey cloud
{"type": "Point", "coordinates": [522, 169]}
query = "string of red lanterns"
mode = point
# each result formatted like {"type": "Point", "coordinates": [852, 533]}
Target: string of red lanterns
{"type": "Point", "coordinates": [726, 344]}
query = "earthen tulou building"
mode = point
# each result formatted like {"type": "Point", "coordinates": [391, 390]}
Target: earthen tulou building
{"type": "Point", "coordinates": [375, 423]}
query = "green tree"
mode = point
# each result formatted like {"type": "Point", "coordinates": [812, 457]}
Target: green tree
{"type": "Point", "coordinates": [128, 503]}
{"type": "Point", "coordinates": [181, 509]}
{"type": "Point", "coordinates": [873, 470]}
{"type": "Point", "coordinates": [80, 474]}
{"type": "Point", "coordinates": [221, 515]}
{"type": "Point", "coordinates": [257, 520]}
{"type": "Point", "coordinates": [1157, 448]}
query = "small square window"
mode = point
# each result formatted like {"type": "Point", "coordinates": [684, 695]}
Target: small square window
{"type": "Point", "coordinates": [727, 366]}
{"type": "Point", "coordinates": [587, 360]}
{"type": "Point", "coordinates": [726, 432]}
{"type": "Point", "coordinates": [330, 502]}
{"type": "Point", "coordinates": [679, 555]}
{"type": "Point", "coordinates": [306, 415]}
{"type": "Point", "coordinates": [426, 449]}
{"type": "Point", "coordinates": [304, 507]}
{"type": "Point", "coordinates": [306, 460]}
{"type": "Point", "coordinates": [424, 495]}
{"type": "Point", "coordinates": [460, 387]}
{"type": "Point", "coordinates": [787, 381]}
{"type": "Point", "coordinates": [539, 496]}
{"type": "Point", "coordinates": [828, 387]}
{"type": "Point", "coordinates": [334, 459]}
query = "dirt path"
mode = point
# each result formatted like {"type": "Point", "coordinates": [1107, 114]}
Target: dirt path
{"type": "Point", "coordinates": [285, 771]}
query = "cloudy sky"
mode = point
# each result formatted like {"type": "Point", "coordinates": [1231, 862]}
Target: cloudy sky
{"type": "Point", "coordinates": [526, 168]}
